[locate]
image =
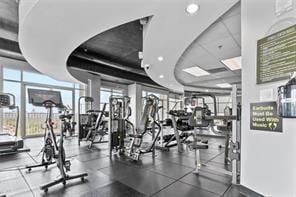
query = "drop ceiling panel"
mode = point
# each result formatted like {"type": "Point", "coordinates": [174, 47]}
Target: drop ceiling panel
{"type": "Point", "coordinates": [237, 38]}
{"type": "Point", "coordinates": [214, 82]}
{"type": "Point", "coordinates": [233, 24]}
{"type": "Point", "coordinates": [194, 53]}
{"type": "Point", "coordinates": [206, 53]}
{"type": "Point", "coordinates": [198, 56]}
{"type": "Point", "coordinates": [215, 32]}
{"type": "Point", "coordinates": [229, 48]}
{"type": "Point", "coordinates": [225, 74]}
{"type": "Point", "coordinates": [236, 10]}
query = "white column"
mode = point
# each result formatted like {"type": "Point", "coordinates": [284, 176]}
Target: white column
{"type": "Point", "coordinates": [135, 93]}
{"type": "Point", "coordinates": [93, 90]}
{"type": "Point", "coordinates": [234, 132]}
{"type": "Point", "coordinates": [1, 90]}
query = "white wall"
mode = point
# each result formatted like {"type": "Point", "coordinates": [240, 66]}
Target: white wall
{"type": "Point", "coordinates": [268, 159]}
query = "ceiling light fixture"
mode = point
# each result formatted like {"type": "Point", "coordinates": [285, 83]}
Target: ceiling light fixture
{"type": "Point", "coordinates": [196, 71]}
{"type": "Point", "coordinates": [161, 76]}
{"type": "Point", "coordinates": [234, 63]}
{"type": "Point", "coordinates": [224, 85]}
{"type": "Point", "coordinates": [192, 8]}
{"type": "Point", "coordinates": [160, 58]}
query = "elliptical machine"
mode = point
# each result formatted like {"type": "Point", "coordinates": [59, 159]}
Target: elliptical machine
{"type": "Point", "coordinates": [52, 150]}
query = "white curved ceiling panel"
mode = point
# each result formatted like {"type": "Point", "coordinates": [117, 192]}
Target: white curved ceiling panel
{"type": "Point", "coordinates": [52, 29]}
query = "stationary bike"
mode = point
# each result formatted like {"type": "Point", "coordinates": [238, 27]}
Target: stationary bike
{"type": "Point", "coordinates": [52, 149]}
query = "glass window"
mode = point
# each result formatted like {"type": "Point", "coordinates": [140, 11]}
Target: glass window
{"type": "Point", "coordinates": [9, 117]}
{"type": "Point", "coordinates": [11, 74]}
{"type": "Point", "coordinates": [35, 116]}
{"type": "Point", "coordinates": [117, 93]}
{"type": "Point", "coordinates": [42, 79]}
{"type": "Point", "coordinates": [105, 96]}
{"type": "Point", "coordinates": [222, 102]}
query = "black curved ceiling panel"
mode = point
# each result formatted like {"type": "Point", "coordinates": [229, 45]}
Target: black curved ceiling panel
{"type": "Point", "coordinates": [113, 53]}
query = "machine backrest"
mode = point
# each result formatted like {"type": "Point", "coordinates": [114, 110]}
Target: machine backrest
{"type": "Point", "coordinates": [197, 119]}
{"type": "Point", "coordinates": [150, 112]}
{"type": "Point", "coordinates": [100, 117]}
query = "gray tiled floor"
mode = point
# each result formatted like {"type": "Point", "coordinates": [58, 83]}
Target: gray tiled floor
{"type": "Point", "coordinates": [169, 174]}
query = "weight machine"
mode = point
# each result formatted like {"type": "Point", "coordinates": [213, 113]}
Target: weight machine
{"type": "Point", "coordinates": [179, 123]}
{"type": "Point", "coordinates": [10, 143]}
{"type": "Point", "coordinates": [52, 150]}
{"type": "Point", "coordinates": [149, 124]}
{"type": "Point", "coordinates": [119, 124]}
{"type": "Point", "coordinates": [199, 118]}
{"type": "Point", "coordinates": [92, 124]}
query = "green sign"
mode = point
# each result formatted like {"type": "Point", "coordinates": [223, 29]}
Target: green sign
{"type": "Point", "coordinates": [276, 56]}
{"type": "Point", "coordinates": [263, 116]}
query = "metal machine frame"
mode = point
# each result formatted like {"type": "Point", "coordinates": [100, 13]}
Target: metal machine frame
{"type": "Point", "coordinates": [150, 117]}
{"type": "Point", "coordinates": [197, 119]}
{"type": "Point", "coordinates": [119, 123]}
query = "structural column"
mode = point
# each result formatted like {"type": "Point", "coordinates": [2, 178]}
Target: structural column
{"type": "Point", "coordinates": [135, 93]}
{"type": "Point", "coordinates": [1, 90]}
{"type": "Point", "coordinates": [93, 90]}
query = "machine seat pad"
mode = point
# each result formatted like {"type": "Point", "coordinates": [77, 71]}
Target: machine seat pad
{"type": "Point", "coordinates": [198, 145]}
{"type": "Point", "coordinates": [224, 128]}
{"type": "Point", "coordinates": [135, 135]}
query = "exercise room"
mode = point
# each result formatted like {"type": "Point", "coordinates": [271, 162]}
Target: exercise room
{"type": "Point", "coordinates": [129, 98]}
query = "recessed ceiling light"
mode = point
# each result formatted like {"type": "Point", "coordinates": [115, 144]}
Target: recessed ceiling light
{"type": "Point", "coordinates": [160, 58]}
{"type": "Point", "coordinates": [85, 50]}
{"type": "Point", "coordinates": [161, 76]}
{"type": "Point", "coordinates": [207, 90]}
{"type": "Point", "coordinates": [224, 85]}
{"type": "Point", "coordinates": [234, 63]}
{"type": "Point", "coordinates": [196, 71]}
{"type": "Point", "coordinates": [192, 8]}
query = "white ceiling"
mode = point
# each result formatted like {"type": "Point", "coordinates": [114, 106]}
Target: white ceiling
{"type": "Point", "coordinates": [51, 29]}
{"type": "Point", "coordinates": [220, 41]}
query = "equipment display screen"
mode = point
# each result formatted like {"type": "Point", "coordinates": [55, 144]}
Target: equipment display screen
{"type": "Point", "coordinates": [38, 97]}
{"type": "Point", "coordinates": [4, 100]}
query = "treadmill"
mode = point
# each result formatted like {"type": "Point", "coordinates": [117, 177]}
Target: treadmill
{"type": "Point", "coordinates": [10, 144]}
